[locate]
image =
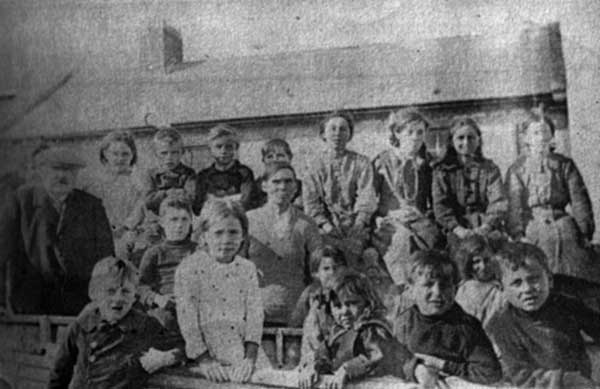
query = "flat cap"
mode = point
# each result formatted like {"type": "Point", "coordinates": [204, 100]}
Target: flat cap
{"type": "Point", "coordinates": [61, 157]}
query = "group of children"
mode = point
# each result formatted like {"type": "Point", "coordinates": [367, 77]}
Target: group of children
{"type": "Point", "coordinates": [483, 313]}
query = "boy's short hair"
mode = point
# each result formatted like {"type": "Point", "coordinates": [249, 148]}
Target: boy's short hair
{"type": "Point", "coordinates": [176, 202]}
{"type": "Point", "coordinates": [537, 117]}
{"type": "Point", "coordinates": [515, 255]}
{"type": "Point", "coordinates": [111, 269]}
{"type": "Point", "coordinates": [167, 135]}
{"type": "Point", "coordinates": [273, 145]}
{"type": "Point", "coordinates": [118, 136]}
{"type": "Point", "coordinates": [467, 249]}
{"type": "Point", "coordinates": [436, 264]}
{"type": "Point", "coordinates": [326, 251]}
{"type": "Point", "coordinates": [220, 209]}
{"type": "Point", "coordinates": [223, 131]}
{"type": "Point", "coordinates": [346, 115]}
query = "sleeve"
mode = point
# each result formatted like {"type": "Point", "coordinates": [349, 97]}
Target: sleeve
{"type": "Point", "coordinates": [366, 198]}
{"type": "Point", "coordinates": [301, 309]}
{"type": "Point", "coordinates": [312, 339]}
{"type": "Point", "coordinates": [497, 203]}
{"type": "Point", "coordinates": [105, 245]}
{"type": "Point", "coordinates": [443, 200]}
{"type": "Point", "coordinates": [9, 243]}
{"type": "Point", "coordinates": [201, 192]}
{"type": "Point", "coordinates": [188, 311]}
{"type": "Point", "coordinates": [148, 277]}
{"type": "Point", "coordinates": [481, 365]}
{"type": "Point", "coordinates": [65, 360]}
{"type": "Point", "coordinates": [152, 195]}
{"type": "Point", "coordinates": [313, 200]}
{"type": "Point", "coordinates": [377, 347]}
{"type": "Point", "coordinates": [254, 309]}
{"type": "Point", "coordinates": [517, 203]}
{"type": "Point", "coordinates": [248, 189]}
{"type": "Point", "coordinates": [581, 207]}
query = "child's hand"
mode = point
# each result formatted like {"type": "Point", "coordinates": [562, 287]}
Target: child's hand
{"type": "Point", "coordinates": [242, 372]}
{"type": "Point", "coordinates": [162, 301]}
{"type": "Point", "coordinates": [426, 377]}
{"type": "Point", "coordinates": [153, 359]}
{"type": "Point", "coordinates": [307, 378]}
{"type": "Point", "coordinates": [462, 232]}
{"type": "Point", "coordinates": [431, 361]}
{"type": "Point", "coordinates": [338, 379]}
{"type": "Point", "coordinates": [212, 371]}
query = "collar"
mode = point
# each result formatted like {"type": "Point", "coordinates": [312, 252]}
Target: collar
{"type": "Point", "coordinates": [91, 320]}
{"type": "Point", "coordinates": [41, 197]}
{"type": "Point", "coordinates": [233, 164]}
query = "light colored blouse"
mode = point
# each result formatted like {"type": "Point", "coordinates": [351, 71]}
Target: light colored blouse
{"type": "Point", "coordinates": [120, 195]}
{"type": "Point", "coordinates": [218, 306]}
{"type": "Point", "coordinates": [340, 189]}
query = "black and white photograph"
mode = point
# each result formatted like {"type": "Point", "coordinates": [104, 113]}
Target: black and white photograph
{"type": "Point", "coordinates": [343, 194]}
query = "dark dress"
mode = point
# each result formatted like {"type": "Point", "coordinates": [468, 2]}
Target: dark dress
{"type": "Point", "coordinates": [237, 180]}
{"type": "Point", "coordinates": [50, 253]}
{"type": "Point", "coordinates": [158, 182]}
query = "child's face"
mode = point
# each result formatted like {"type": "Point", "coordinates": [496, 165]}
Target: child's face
{"type": "Point", "coordinates": [410, 136]}
{"type": "Point", "coordinates": [118, 156]}
{"type": "Point", "coordinates": [327, 269]}
{"type": "Point", "coordinates": [168, 154]}
{"type": "Point", "coordinates": [337, 133]}
{"type": "Point", "coordinates": [347, 309]}
{"type": "Point", "coordinates": [538, 135]}
{"type": "Point", "coordinates": [115, 300]}
{"type": "Point", "coordinates": [223, 150]}
{"type": "Point", "coordinates": [280, 187]}
{"type": "Point", "coordinates": [433, 295]}
{"type": "Point", "coordinates": [482, 266]}
{"type": "Point", "coordinates": [466, 140]}
{"type": "Point", "coordinates": [175, 223]}
{"type": "Point", "coordinates": [526, 288]}
{"type": "Point", "coordinates": [278, 154]}
{"type": "Point", "coordinates": [224, 238]}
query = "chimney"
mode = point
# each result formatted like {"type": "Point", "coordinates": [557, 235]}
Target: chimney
{"type": "Point", "coordinates": [161, 47]}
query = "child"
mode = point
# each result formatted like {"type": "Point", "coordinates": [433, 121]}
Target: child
{"type": "Point", "coordinates": [403, 182]}
{"type": "Point", "coordinates": [325, 263]}
{"type": "Point", "coordinates": [159, 262]}
{"type": "Point", "coordinates": [437, 329]}
{"type": "Point", "coordinates": [339, 193]}
{"type": "Point", "coordinates": [171, 175]}
{"type": "Point", "coordinates": [479, 292]}
{"type": "Point", "coordinates": [219, 308]}
{"type": "Point", "coordinates": [110, 344]}
{"type": "Point", "coordinates": [360, 343]}
{"type": "Point", "coordinates": [468, 195]}
{"type": "Point", "coordinates": [541, 184]}
{"type": "Point", "coordinates": [538, 332]}
{"type": "Point", "coordinates": [226, 177]}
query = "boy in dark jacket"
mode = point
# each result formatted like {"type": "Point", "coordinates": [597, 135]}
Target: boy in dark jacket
{"type": "Point", "coordinates": [538, 333]}
{"type": "Point", "coordinates": [437, 330]}
{"type": "Point", "coordinates": [110, 344]}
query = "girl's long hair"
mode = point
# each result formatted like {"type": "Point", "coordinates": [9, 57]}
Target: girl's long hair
{"type": "Point", "coordinates": [354, 283]}
{"type": "Point", "coordinates": [451, 156]}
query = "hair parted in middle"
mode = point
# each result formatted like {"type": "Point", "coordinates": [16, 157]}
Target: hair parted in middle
{"type": "Point", "coordinates": [402, 117]}
{"type": "Point", "coordinates": [467, 250]}
{"type": "Point", "coordinates": [460, 122]}
{"type": "Point", "coordinates": [353, 283]}
{"type": "Point", "coordinates": [273, 145]}
{"type": "Point", "coordinates": [346, 115]}
{"type": "Point", "coordinates": [118, 136]}
{"type": "Point", "coordinates": [219, 209]}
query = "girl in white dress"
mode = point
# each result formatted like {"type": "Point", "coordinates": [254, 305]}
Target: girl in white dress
{"type": "Point", "coordinates": [219, 309]}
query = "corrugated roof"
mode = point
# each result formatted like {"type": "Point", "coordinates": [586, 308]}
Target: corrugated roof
{"type": "Point", "coordinates": [435, 71]}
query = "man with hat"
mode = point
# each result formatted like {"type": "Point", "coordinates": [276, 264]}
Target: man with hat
{"type": "Point", "coordinates": [51, 235]}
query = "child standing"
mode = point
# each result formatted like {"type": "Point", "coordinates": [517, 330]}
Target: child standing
{"type": "Point", "coordinates": [159, 262]}
{"type": "Point", "coordinates": [219, 308]}
{"type": "Point", "coordinates": [276, 150]}
{"type": "Point", "coordinates": [437, 330]}
{"type": "Point", "coordinates": [226, 177]}
{"type": "Point", "coordinates": [360, 343]}
{"type": "Point", "coordinates": [339, 193]}
{"type": "Point", "coordinates": [479, 292]}
{"type": "Point", "coordinates": [110, 344]}
{"type": "Point", "coordinates": [171, 176]}
{"type": "Point", "coordinates": [538, 332]}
